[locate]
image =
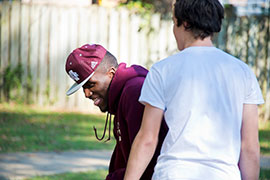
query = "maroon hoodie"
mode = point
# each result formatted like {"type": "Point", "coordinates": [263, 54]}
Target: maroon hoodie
{"type": "Point", "coordinates": [124, 93]}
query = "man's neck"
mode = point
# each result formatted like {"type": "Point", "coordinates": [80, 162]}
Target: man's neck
{"type": "Point", "coordinates": [199, 42]}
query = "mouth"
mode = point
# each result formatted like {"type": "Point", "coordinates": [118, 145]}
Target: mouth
{"type": "Point", "coordinates": [97, 101]}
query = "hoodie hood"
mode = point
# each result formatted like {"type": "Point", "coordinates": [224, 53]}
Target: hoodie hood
{"type": "Point", "coordinates": [122, 75]}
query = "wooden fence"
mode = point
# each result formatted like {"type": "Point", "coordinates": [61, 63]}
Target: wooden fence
{"type": "Point", "coordinates": [36, 40]}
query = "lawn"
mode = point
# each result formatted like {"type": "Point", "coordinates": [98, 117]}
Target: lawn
{"type": "Point", "coordinates": [23, 128]}
{"type": "Point", "coordinates": [26, 129]}
{"type": "Point", "coordinates": [264, 135]}
{"type": "Point", "coordinates": [101, 174]}
{"type": "Point", "coordinates": [90, 175]}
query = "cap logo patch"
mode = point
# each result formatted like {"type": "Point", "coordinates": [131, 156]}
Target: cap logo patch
{"type": "Point", "coordinates": [93, 64]}
{"type": "Point", "coordinates": [74, 75]}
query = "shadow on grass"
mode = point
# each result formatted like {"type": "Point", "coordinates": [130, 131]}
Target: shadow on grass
{"type": "Point", "coordinates": [50, 131]}
{"type": "Point", "coordinates": [264, 136]}
{"type": "Point", "coordinates": [92, 175]}
{"type": "Point", "coordinates": [264, 174]}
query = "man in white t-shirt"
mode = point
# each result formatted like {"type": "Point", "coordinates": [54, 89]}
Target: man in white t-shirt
{"type": "Point", "coordinates": [209, 100]}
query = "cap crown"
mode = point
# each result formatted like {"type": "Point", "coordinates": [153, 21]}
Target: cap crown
{"type": "Point", "coordinates": [83, 61]}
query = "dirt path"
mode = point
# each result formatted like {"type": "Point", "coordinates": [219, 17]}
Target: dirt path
{"type": "Point", "coordinates": [22, 165]}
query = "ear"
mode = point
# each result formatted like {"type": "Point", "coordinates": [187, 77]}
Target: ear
{"type": "Point", "coordinates": [111, 72]}
{"type": "Point", "coordinates": [186, 25]}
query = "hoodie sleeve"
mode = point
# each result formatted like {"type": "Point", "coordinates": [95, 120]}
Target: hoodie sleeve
{"type": "Point", "coordinates": [116, 175]}
{"type": "Point", "coordinates": [133, 110]}
{"type": "Point", "coordinates": [133, 115]}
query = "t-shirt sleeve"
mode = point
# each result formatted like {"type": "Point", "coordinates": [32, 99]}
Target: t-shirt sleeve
{"type": "Point", "coordinates": [254, 94]}
{"type": "Point", "coordinates": [153, 90]}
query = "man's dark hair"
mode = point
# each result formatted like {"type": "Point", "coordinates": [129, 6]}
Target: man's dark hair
{"type": "Point", "coordinates": [202, 17]}
{"type": "Point", "coordinates": [108, 61]}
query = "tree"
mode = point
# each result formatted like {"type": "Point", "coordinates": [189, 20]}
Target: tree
{"type": "Point", "coordinates": [162, 6]}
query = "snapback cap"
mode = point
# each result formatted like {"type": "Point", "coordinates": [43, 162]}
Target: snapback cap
{"type": "Point", "coordinates": [82, 63]}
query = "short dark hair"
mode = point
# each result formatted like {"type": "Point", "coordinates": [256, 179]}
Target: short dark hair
{"type": "Point", "coordinates": [108, 61]}
{"type": "Point", "coordinates": [202, 17]}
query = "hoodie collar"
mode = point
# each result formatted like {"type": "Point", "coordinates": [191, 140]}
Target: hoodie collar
{"type": "Point", "coordinates": [122, 75]}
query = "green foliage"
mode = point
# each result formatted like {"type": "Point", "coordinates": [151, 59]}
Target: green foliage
{"type": "Point", "coordinates": [90, 175]}
{"type": "Point", "coordinates": [29, 89]}
{"type": "Point", "coordinates": [139, 7]}
{"type": "Point", "coordinates": [163, 7]}
{"type": "Point", "coordinates": [12, 81]}
{"type": "Point", "coordinates": [47, 93]}
{"type": "Point", "coordinates": [145, 11]}
{"type": "Point", "coordinates": [26, 129]}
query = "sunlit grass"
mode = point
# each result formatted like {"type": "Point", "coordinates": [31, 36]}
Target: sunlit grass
{"type": "Point", "coordinates": [25, 128]}
{"type": "Point", "coordinates": [264, 136]}
{"type": "Point", "coordinates": [28, 129]}
{"type": "Point", "coordinates": [264, 124]}
{"type": "Point", "coordinates": [90, 175]}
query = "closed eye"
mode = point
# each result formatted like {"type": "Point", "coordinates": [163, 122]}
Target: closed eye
{"type": "Point", "coordinates": [88, 85]}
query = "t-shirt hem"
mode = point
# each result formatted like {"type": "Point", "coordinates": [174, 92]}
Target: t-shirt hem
{"type": "Point", "coordinates": [254, 102]}
{"type": "Point", "coordinates": [152, 104]}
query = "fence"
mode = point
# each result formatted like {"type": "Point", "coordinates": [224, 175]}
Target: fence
{"type": "Point", "coordinates": [36, 39]}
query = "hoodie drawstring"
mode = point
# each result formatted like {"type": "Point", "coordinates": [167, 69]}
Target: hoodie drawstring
{"type": "Point", "coordinates": [100, 139]}
{"type": "Point", "coordinates": [108, 114]}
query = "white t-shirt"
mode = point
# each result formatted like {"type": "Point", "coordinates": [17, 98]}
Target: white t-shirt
{"type": "Point", "coordinates": [202, 91]}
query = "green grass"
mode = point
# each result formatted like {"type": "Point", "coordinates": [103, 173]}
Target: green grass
{"type": "Point", "coordinates": [264, 135]}
{"type": "Point", "coordinates": [90, 175]}
{"type": "Point", "coordinates": [25, 129]}
{"type": "Point", "coordinates": [264, 174]}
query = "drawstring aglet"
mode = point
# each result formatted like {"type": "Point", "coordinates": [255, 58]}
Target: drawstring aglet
{"type": "Point", "coordinates": [100, 139]}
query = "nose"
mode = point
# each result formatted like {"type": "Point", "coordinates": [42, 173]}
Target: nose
{"type": "Point", "coordinates": [87, 92]}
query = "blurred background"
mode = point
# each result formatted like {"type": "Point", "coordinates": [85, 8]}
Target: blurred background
{"type": "Point", "coordinates": [36, 36]}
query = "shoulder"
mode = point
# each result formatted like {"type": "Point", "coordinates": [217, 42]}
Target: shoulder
{"type": "Point", "coordinates": [130, 95]}
{"type": "Point", "coordinates": [134, 85]}
{"type": "Point", "coordinates": [167, 61]}
{"type": "Point", "coordinates": [164, 66]}
{"type": "Point", "coordinates": [231, 59]}
{"type": "Point", "coordinates": [242, 66]}
{"type": "Point", "coordinates": [236, 65]}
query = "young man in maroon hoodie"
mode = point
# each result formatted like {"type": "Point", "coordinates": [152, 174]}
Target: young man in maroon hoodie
{"type": "Point", "coordinates": [114, 89]}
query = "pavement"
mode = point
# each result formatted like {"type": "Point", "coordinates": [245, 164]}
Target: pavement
{"type": "Point", "coordinates": [265, 162]}
{"type": "Point", "coordinates": [18, 166]}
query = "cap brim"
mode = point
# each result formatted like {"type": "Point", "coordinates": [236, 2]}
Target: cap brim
{"type": "Point", "coordinates": [75, 87]}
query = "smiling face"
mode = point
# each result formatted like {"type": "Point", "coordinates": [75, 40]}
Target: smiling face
{"type": "Point", "coordinates": [96, 88]}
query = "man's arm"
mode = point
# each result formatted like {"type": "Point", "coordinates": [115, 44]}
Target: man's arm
{"type": "Point", "coordinates": [250, 148]}
{"type": "Point", "coordinates": [145, 143]}
{"type": "Point", "coordinates": [116, 175]}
